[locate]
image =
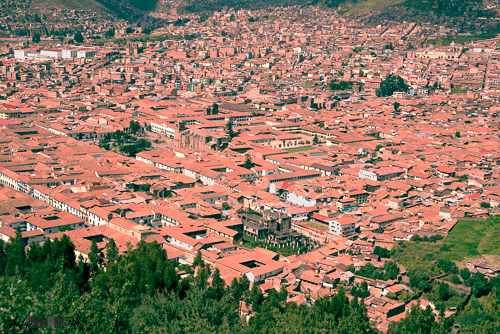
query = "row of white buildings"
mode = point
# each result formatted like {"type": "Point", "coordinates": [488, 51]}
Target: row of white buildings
{"type": "Point", "coordinates": [55, 53]}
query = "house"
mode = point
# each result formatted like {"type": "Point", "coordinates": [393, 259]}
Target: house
{"type": "Point", "coordinates": [483, 267]}
{"type": "Point", "coordinates": [297, 214]}
{"type": "Point", "coordinates": [344, 226]}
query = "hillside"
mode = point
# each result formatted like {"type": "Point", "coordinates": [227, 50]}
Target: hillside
{"type": "Point", "coordinates": [446, 7]}
{"type": "Point", "coordinates": [216, 5]}
{"type": "Point", "coordinates": [92, 5]}
{"type": "Point", "coordinates": [124, 8]}
{"type": "Point", "coordinates": [121, 8]}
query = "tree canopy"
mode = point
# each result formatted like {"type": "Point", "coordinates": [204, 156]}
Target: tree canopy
{"type": "Point", "coordinates": [391, 84]}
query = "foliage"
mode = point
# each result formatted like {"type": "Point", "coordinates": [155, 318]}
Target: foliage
{"type": "Point", "coordinates": [65, 228]}
{"type": "Point", "coordinates": [342, 85]}
{"type": "Point", "coordinates": [396, 106]}
{"type": "Point", "coordinates": [36, 38]}
{"type": "Point", "coordinates": [382, 252]}
{"type": "Point", "coordinates": [248, 164]}
{"type": "Point", "coordinates": [389, 271]}
{"type": "Point", "coordinates": [419, 320]}
{"type": "Point", "coordinates": [215, 109]}
{"type": "Point", "coordinates": [142, 187]}
{"type": "Point", "coordinates": [391, 84]}
{"type": "Point", "coordinates": [135, 127]}
{"type": "Point", "coordinates": [79, 37]}
{"type": "Point", "coordinates": [315, 139]}
{"type": "Point", "coordinates": [230, 128]}
{"type": "Point", "coordinates": [447, 266]}
{"type": "Point", "coordinates": [472, 239]}
{"type": "Point", "coordinates": [485, 205]}
{"type": "Point", "coordinates": [389, 46]}
{"type": "Point", "coordinates": [360, 292]}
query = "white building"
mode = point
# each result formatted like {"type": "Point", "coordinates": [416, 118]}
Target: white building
{"type": "Point", "coordinates": [343, 227]}
{"type": "Point", "coordinates": [85, 53]}
{"type": "Point", "coordinates": [163, 128]}
{"type": "Point", "coordinates": [26, 53]}
{"type": "Point", "coordinates": [52, 53]}
{"type": "Point", "coordinates": [70, 53]}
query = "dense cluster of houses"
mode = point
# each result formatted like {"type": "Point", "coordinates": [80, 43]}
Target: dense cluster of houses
{"type": "Point", "coordinates": [253, 156]}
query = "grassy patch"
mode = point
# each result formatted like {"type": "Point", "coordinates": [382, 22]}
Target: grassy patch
{"type": "Point", "coordinates": [472, 239]}
{"type": "Point", "coordinates": [467, 240]}
{"type": "Point", "coordinates": [458, 90]}
{"type": "Point", "coordinates": [319, 226]}
{"type": "Point", "coordinates": [446, 40]}
{"type": "Point", "coordinates": [418, 257]}
{"type": "Point", "coordinates": [299, 149]}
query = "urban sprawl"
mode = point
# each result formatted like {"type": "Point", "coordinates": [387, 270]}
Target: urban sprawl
{"type": "Point", "coordinates": [292, 146]}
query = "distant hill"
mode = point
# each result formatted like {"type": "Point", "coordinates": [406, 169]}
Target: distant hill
{"type": "Point", "coordinates": [346, 7]}
{"type": "Point", "coordinates": [131, 8]}
{"type": "Point", "coordinates": [447, 7]}
{"type": "Point", "coordinates": [122, 8]}
{"type": "Point", "coordinates": [196, 6]}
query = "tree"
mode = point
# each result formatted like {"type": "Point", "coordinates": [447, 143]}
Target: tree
{"type": "Point", "coordinates": [198, 260]}
{"type": "Point", "coordinates": [321, 124]}
{"type": "Point", "coordinates": [342, 85]}
{"type": "Point", "coordinates": [230, 128]}
{"type": "Point", "coordinates": [111, 251]}
{"type": "Point", "coordinates": [65, 228]}
{"type": "Point", "coordinates": [416, 238]}
{"type": "Point", "coordinates": [94, 257]}
{"type": "Point", "coordinates": [393, 83]}
{"type": "Point", "coordinates": [36, 38]}
{"type": "Point", "coordinates": [217, 286]}
{"type": "Point", "coordinates": [416, 321]}
{"type": "Point", "coordinates": [110, 33]}
{"type": "Point", "coordinates": [465, 274]}
{"type": "Point", "coordinates": [382, 252]}
{"type": "Point", "coordinates": [396, 106]}
{"type": "Point", "coordinates": [480, 285]}
{"type": "Point", "coordinates": [239, 287]}
{"type": "Point", "coordinates": [485, 205]}
{"type": "Point", "coordinates": [215, 109]}
{"type": "Point", "coordinates": [444, 292]}
{"type": "Point", "coordinates": [255, 298]}
{"type": "Point", "coordinates": [457, 134]}
{"type": "Point", "coordinates": [78, 37]}
{"type": "Point", "coordinates": [315, 139]}
{"type": "Point", "coordinates": [389, 46]}
{"type": "Point", "coordinates": [448, 266]}
{"type": "Point", "coordinates": [248, 162]}
{"type": "Point", "coordinates": [232, 18]}
{"type": "Point", "coordinates": [135, 127]}
{"type": "Point", "coordinates": [129, 30]}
